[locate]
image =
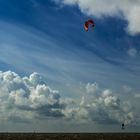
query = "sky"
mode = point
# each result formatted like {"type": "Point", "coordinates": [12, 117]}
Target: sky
{"type": "Point", "coordinates": [56, 77]}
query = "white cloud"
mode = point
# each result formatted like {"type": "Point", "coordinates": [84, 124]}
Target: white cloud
{"type": "Point", "coordinates": [132, 52]}
{"type": "Point", "coordinates": [137, 95]}
{"type": "Point", "coordinates": [106, 93]}
{"type": "Point", "coordinates": [28, 95]}
{"type": "Point", "coordinates": [91, 88]}
{"type": "Point", "coordinates": [130, 10]}
{"type": "Point", "coordinates": [102, 107]}
{"type": "Point", "coordinates": [31, 96]}
{"type": "Point", "coordinates": [127, 88]}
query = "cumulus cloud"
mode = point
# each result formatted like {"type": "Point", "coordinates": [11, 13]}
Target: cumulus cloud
{"type": "Point", "coordinates": [91, 88]}
{"type": "Point", "coordinates": [103, 106]}
{"type": "Point", "coordinates": [126, 9]}
{"type": "Point", "coordinates": [31, 95]}
{"type": "Point", "coordinates": [28, 95]}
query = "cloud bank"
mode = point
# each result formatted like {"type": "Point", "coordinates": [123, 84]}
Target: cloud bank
{"type": "Point", "coordinates": [126, 9]}
{"type": "Point", "coordinates": [28, 95]}
{"type": "Point", "coordinates": [31, 95]}
{"type": "Point", "coordinates": [103, 107]}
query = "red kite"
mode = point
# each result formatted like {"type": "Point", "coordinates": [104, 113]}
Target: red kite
{"type": "Point", "coordinates": [91, 22]}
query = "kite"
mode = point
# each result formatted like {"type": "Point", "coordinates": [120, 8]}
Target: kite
{"type": "Point", "coordinates": [87, 23]}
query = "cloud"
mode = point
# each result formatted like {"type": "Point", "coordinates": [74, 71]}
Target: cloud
{"type": "Point", "coordinates": [132, 52]}
{"type": "Point", "coordinates": [127, 89]}
{"type": "Point", "coordinates": [31, 95]}
{"type": "Point", "coordinates": [137, 95]}
{"type": "Point", "coordinates": [102, 107]}
{"type": "Point", "coordinates": [91, 88]}
{"type": "Point", "coordinates": [126, 9]}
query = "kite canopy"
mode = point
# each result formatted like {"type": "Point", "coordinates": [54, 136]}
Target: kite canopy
{"type": "Point", "coordinates": [87, 23]}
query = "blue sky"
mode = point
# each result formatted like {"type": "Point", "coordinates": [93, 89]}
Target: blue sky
{"type": "Point", "coordinates": [44, 43]}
